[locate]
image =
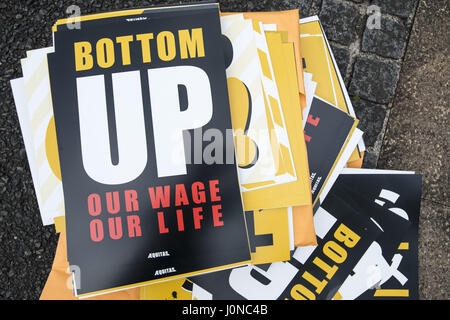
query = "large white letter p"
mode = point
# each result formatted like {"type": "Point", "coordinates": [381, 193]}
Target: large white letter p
{"type": "Point", "coordinates": [168, 119]}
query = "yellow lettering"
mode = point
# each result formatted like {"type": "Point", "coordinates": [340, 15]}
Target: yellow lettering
{"type": "Point", "coordinates": [335, 252]}
{"type": "Point", "coordinates": [319, 285]}
{"type": "Point", "coordinates": [330, 271]}
{"type": "Point", "coordinates": [299, 292]}
{"type": "Point", "coordinates": [83, 57]}
{"type": "Point", "coordinates": [105, 53]}
{"type": "Point", "coordinates": [192, 44]}
{"type": "Point", "coordinates": [166, 46]}
{"type": "Point", "coordinates": [125, 48]}
{"type": "Point", "coordinates": [347, 236]}
{"type": "Point", "coordinates": [145, 38]}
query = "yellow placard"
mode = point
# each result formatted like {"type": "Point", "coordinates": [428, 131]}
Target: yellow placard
{"type": "Point", "coordinates": [319, 63]}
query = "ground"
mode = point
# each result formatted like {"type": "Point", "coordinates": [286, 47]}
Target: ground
{"type": "Point", "coordinates": [397, 76]}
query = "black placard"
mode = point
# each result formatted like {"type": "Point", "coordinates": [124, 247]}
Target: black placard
{"type": "Point", "coordinates": [210, 237]}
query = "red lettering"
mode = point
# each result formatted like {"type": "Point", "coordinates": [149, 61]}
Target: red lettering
{"type": "Point", "coordinates": [180, 220]}
{"type": "Point", "coordinates": [160, 198]}
{"type": "Point", "coordinates": [313, 121]}
{"type": "Point", "coordinates": [94, 204]}
{"type": "Point", "coordinates": [131, 203]}
{"type": "Point", "coordinates": [217, 215]}
{"type": "Point", "coordinates": [197, 217]}
{"type": "Point", "coordinates": [181, 197]}
{"type": "Point", "coordinates": [198, 192]}
{"type": "Point", "coordinates": [134, 228]}
{"type": "Point", "coordinates": [112, 205]}
{"type": "Point", "coordinates": [96, 227]}
{"type": "Point", "coordinates": [214, 190]}
{"type": "Point", "coordinates": [115, 228]}
{"type": "Point", "coordinates": [307, 138]}
{"type": "Point", "coordinates": [162, 226]}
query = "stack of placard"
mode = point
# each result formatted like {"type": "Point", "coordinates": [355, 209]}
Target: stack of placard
{"type": "Point", "coordinates": [187, 153]}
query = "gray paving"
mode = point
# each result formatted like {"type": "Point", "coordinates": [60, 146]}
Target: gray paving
{"type": "Point", "coordinates": [417, 138]}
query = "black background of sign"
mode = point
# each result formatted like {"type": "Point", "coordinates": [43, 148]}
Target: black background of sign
{"type": "Point", "coordinates": [217, 283]}
{"type": "Point", "coordinates": [351, 200]}
{"type": "Point", "coordinates": [327, 139]}
{"type": "Point", "coordinates": [393, 226]}
{"type": "Point", "coordinates": [409, 186]}
{"type": "Point", "coordinates": [113, 263]}
{"type": "Point", "coordinates": [359, 224]}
